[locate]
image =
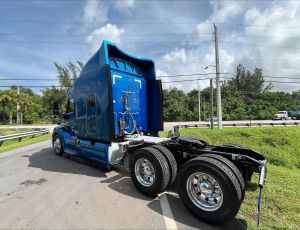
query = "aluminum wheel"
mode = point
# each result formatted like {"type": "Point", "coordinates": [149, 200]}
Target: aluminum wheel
{"type": "Point", "coordinates": [204, 191]}
{"type": "Point", "coordinates": [57, 145]}
{"type": "Point", "coordinates": [144, 172]}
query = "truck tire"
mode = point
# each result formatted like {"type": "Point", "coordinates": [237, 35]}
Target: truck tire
{"type": "Point", "coordinates": [209, 190]}
{"type": "Point", "coordinates": [58, 145]}
{"type": "Point", "coordinates": [233, 168]}
{"type": "Point", "coordinates": [171, 161]}
{"type": "Point", "coordinates": [149, 171]}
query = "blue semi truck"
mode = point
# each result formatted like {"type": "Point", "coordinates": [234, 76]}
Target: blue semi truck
{"type": "Point", "coordinates": [113, 116]}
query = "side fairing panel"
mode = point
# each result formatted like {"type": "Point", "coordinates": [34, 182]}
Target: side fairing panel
{"type": "Point", "coordinates": [91, 94]}
{"type": "Point", "coordinates": [155, 105]}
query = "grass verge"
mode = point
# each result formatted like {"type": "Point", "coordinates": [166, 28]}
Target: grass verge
{"type": "Point", "coordinates": [281, 195]}
{"type": "Point", "coordinates": [281, 199]}
{"type": "Point", "coordinates": [13, 144]}
{"type": "Point", "coordinates": [11, 131]}
{"type": "Point", "coordinates": [280, 144]}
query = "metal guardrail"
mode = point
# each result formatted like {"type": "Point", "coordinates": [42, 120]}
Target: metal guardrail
{"type": "Point", "coordinates": [239, 124]}
{"type": "Point", "coordinates": [19, 136]}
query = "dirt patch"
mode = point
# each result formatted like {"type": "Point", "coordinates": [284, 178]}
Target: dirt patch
{"type": "Point", "coordinates": [28, 183]}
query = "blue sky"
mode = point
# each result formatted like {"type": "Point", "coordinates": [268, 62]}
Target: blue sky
{"type": "Point", "coordinates": [177, 35]}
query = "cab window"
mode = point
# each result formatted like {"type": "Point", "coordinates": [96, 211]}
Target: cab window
{"type": "Point", "coordinates": [121, 65]}
{"type": "Point", "coordinates": [81, 107]}
{"type": "Point", "coordinates": [91, 101]}
{"type": "Point", "coordinates": [71, 105]}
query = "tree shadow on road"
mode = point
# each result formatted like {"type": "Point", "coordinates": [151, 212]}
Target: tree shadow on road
{"type": "Point", "coordinates": [47, 160]}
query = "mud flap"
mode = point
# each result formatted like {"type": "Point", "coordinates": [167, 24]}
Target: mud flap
{"type": "Point", "coordinates": [262, 178]}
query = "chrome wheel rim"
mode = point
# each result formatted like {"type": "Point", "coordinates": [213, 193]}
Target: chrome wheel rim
{"type": "Point", "coordinates": [144, 172]}
{"type": "Point", "coordinates": [204, 191]}
{"type": "Point", "coordinates": [57, 145]}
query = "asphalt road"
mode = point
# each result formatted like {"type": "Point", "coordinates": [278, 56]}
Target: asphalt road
{"type": "Point", "coordinates": [41, 190]}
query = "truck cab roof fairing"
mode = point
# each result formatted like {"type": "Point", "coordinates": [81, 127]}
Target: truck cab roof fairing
{"type": "Point", "coordinates": [109, 50]}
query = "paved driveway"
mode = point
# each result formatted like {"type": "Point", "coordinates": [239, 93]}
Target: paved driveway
{"type": "Point", "coordinates": [41, 190]}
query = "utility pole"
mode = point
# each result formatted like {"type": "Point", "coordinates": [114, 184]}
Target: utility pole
{"type": "Point", "coordinates": [219, 101]}
{"type": "Point", "coordinates": [18, 106]}
{"type": "Point", "coordinates": [203, 110]}
{"type": "Point", "coordinates": [211, 104]}
{"type": "Point", "coordinates": [199, 102]}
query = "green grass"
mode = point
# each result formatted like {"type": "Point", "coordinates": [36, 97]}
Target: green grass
{"type": "Point", "coordinates": [281, 199]}
{"type": "Point", "coordinates": [280, 144]}
{"type": "Point", "coordinates": [13, 144]}
{"type": "Point", "coordinates": [281, 195]}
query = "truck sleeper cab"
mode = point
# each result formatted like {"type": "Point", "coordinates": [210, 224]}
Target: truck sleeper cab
{"type": "Point", "coordinates": [114, 114]}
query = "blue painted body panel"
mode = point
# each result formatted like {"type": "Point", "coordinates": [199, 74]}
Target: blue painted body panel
{"type": "Point", "coordinates": [115, 94]}
{"type": "Point", "coordinates": [75, 146]}
{"type": "Point", "coordinates": [132, 85]}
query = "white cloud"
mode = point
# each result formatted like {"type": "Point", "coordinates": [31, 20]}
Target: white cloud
{"type": "Point", "coordinates": [95, 12]}
{"type": "Point", "coordinates": [276, 27]}
{"type": "Point", "coordinates": [258, 43]}
{"type": "Point", "coordinates": [176, 55]}
{"type": "Point", "coordinates": [107, 32]}
{"type": "Point", "coordinates": [124, 6]}
{"type": "Point", "coordinates": [224, 10]}
{"type": "Point", "coordinates": [193, 60]}
{"type": "Point", "coordinates": [182, 62]}
{"type": "Point", "coordinates": [160, 74]}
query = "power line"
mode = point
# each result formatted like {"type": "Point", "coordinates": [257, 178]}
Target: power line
{"type": "Point", "coordinates": [47, 78]}
{"type": "Point", "coordinates": [67, 42]}
{"type": "Point", "coordinates": [274, 61]}
{"type": "Point", "coordinates": [96, 43]}
{"type": "Point", "coordinates": [163, 76]}
{"type": "Point", "coordinates": [261, 45]}
{"type": "Point", "coordinates": [29, 79]}
{"type": "Point", "coordinates": [111, 35]}
{"type": "Point", "coordinates": [282, 77]}
{"type": "Point", "coordinates": [143, 23]}
{"type": "Point", "coordinates": [147, 43]}
{"type": "Point", "coordinates": [199, 79]}
{"type": "Point", "coordinates": [164, 82]}
{"type": "Point", "coordinates": [194, 74]}
{"type": "Point", "coordinates": [136, 0]}
{"type": "Point", "coordinates": [33, 86]}
{"type": "Point", "coordinates": [139, 35]}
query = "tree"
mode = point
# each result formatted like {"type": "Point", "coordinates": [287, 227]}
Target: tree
{"type": "Point", "coordinates": [68, 74]}
{"type": "Point", "coordinates": [24, 101]}
{"type": "Point", "coordinates": [233, 104]}
{"type": "Point", "coordinates": [51, 95]}
{"type": "Point", "coordinates": [35, 112]}
{"type": "Point", "coordinates": [175, 108]}
{"type": "Point", "coordinates": [4, 100]}
{"type": "Point", "coordinates": [249, 83]}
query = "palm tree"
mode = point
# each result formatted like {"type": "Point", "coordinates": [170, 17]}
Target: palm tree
{"type": "Point", "coordinates": [24, 101]}
{"type": "Point", "coordinates": [11, 104]}
{"type": "Point", "coordinates": [5, 99]}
